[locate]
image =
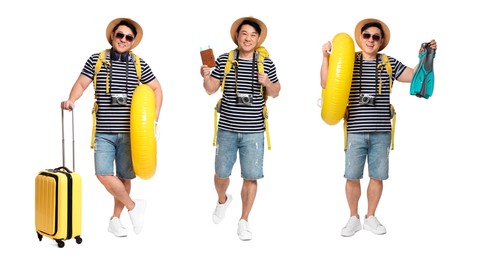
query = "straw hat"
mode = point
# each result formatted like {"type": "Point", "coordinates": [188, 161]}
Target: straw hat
{"type": "Point", "coordinates": [386, 37]}
{"type": "Point", "coordinates": [238, 22]}
{"type": "Point", "coordinates": [137, 26]}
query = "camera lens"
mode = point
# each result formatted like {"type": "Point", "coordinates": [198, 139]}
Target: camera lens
{"type": "Point", "coordinates": [120, 100]}
{"type": "Point", "coordinates": [245, 99]}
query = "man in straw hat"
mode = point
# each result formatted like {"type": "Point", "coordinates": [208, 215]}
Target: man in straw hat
{"type": "Point", "coordinates": [115, 85]}
{"type": "Point", "coordinates": [368, 123]}
{"type": "Point", "coordinates": [241, 124]}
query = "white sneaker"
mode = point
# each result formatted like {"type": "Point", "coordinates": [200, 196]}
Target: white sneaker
{"type": "Point", "coordinates": [115, 227]}
{"type": "Point", "coordinates": [373, 225]}
{"type": "Point", "coordinates": [220, 210]}
{"type": "Point", "coordinates": [243, 230]}
{"type": "Point", "coordinates": [352, 227]}
{"type": "Point", "coordinates": [137, 215]}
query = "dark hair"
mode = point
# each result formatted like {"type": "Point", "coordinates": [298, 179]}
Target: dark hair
{"type": "Point", "coordinates": [128, 24]}
{"type": "Point", "coordinates": [373, 24]}
{"type": "Point", "coordinates": [251, 23]}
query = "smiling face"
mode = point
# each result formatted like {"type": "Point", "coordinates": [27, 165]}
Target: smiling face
{"type": "Point", "coordinates": [122, 39]}
{"type": "Point", "coordinates": [247, 39]}
{"type": "Point", "coordinates": [371, 39]}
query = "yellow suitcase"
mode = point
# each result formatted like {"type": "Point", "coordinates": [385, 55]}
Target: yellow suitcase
{"type": "Point", "coordinates": [58, 203]}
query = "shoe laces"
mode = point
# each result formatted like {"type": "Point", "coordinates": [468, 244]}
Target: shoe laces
{"type": "Point", "coordinates": [373, 222]}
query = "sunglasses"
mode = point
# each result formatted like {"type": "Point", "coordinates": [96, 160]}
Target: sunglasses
{"type": "Point", "coordinates": [128, 37]}
{"type": "Point", "coordinates": [375, 37]}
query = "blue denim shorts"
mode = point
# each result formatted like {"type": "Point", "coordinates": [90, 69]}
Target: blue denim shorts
{"type": "Point", "coordinates": [373, 147]}
{"type": "Point", "coordinates": [250, 149]}
{"type": "Point", "coordinates": [110, 148]}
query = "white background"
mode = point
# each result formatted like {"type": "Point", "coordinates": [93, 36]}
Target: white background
{"type": "Point", "coordinates": [433, 204]}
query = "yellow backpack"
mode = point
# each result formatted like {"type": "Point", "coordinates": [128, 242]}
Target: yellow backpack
{"type": "Point", "coordinates": [261, 54]}
{"type": "Point", "coordinates": [99, 62]}
{"type": "Point", "coordinates": [387, 64]}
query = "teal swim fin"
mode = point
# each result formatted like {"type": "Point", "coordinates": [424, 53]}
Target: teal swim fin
{"type": "Point", "coordinates": [423, 81]}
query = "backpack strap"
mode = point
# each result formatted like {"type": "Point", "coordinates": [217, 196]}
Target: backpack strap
{"type": "Point", "coordinates": [387, 64]}
{"type": "Point", "coordinates": [393, 118]}
{"type": "Point", "coordinates": [215, 121]}
{"type": "Point", "coordinates": [261, 53]}
{"type": "Point", "coordinates": [228, 66]}
{"type": "Point", "coordinates": [99, 62]}
{"type": "Point", "coordinates": [138, 67]}
{"type": "Point", "coordinates": [345, 136]}
{"type": "Point", "coordinates": [94, 110]}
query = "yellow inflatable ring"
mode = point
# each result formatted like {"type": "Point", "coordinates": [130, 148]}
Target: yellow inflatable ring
{"type": "Point", "coordinates": [340, 71]}
{"type": "Point", "coordinates": [142, 137]}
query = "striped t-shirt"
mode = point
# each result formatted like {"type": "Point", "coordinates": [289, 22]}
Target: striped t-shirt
{"type": "Point", "coordinates": [123, 80]}
{"type": "Point", "coordinates": [376, 118]}
{"type": "Point", "coordinates": [237, 117]}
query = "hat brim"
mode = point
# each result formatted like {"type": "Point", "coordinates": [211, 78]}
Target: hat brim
{"type": "Point", "coordinates": [137, 26]}
{"type": "Point", "coordinates": [385, 28]}
{"type": "Point", "coordinates": [238, 22]}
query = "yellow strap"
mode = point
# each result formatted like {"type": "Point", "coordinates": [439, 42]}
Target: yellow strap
{"type": "Point", "coordinates": [268, 136]}
{"type": "Point", "coordinates": [138, 68]}
{"type": "Point", "coordinates": [93, 130]}
{"type": "Point", "coordinates": [388, 69]}
{"type": "Point", "coordinates": [215, 121]}
{"type": "Point", "coordinates": [99, 62]}
{"type": "Point", "coordinates": [393, 117]}
{"type": "Point", "coordinates": [228, 66]}
{"type": "Point", "coordinates": [262, 53]}
{"type": "Point", "coordinates": [385, 62]}
{"type": "Point", "coordinates": [345, 118]}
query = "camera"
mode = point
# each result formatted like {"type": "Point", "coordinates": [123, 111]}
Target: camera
{"type": "Point", "coordinates": [244, 99]}
{"type": "Point", "coordinates": [119, 100]}
{"type": "Point", "coordinates": [366, 99]}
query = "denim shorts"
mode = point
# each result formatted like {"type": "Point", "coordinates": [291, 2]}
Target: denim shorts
{"type": "Point", "coordinates": [250, 149]}
{"type": "Point", "coordinates": [373, 147]}
{"type": "Point", "coordinates": [110, 148]}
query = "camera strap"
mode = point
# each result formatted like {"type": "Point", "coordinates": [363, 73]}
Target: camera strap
{"type": "Point", "coordinates": [235, 67]}
{"type": "Point", "coordinates": [109, 89]}
{"type": "Point", "coordinates": [376, 73]}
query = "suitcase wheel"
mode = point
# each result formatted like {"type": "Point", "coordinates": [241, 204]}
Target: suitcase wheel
{"type": "Point", "coordinates": [60, 243]}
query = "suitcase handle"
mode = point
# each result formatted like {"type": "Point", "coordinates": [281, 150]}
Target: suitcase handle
{"type": "Point", "coordinates": [62, 169]}
{"type": "Point", "coordinates": [72, 128]}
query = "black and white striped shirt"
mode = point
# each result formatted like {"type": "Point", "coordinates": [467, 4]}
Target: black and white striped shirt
{"type": "Point", "coordinates": [377, 118]}
{"type": "Point", "coordinates": [242, 118]}
{"type": "Point", "coordinates": [111, 118]}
